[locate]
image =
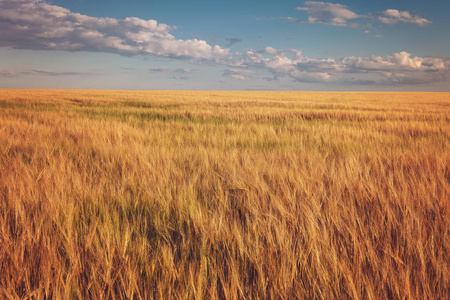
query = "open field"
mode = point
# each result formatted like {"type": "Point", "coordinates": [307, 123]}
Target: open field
{"type": "Point", "coordinates": [230, 195]}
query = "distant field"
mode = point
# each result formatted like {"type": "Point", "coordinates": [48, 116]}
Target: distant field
{"type": "Point", "coordinates": [224, 195]}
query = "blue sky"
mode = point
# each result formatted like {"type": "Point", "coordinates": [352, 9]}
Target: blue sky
{"type": "Point", "coordinates": [233, 45]}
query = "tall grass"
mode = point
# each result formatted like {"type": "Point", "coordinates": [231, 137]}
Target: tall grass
{"type": "Point", "coordinates": [230, 195]}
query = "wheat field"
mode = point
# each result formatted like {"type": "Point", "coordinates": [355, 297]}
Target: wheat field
{"type": "Point", "coordinates": [224, 195]}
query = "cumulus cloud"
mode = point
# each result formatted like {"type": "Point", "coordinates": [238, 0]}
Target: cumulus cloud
{"type": "Point", "coordinates": [393, 16]}
{"type": "Point", "coordinates": [296, 69]}
{"type": "Point", "coordinates": [399, 63]}
{"type": "Point", "coordinates": [399, 68]}
{"type": "Point", "coordinates": [328, 13]}
{"type": "Point", "coordinates": [280, 63]}
{"type": "Point", "coordinates": [335, 14]}
{"type": "Point", "coordinates": [240, 74]}
{"type": "Point", "coordinates": [32, 24]}
{"type": "Point", "coordinates": [273, 51]}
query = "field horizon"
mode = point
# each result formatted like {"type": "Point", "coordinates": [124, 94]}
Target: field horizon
{"type": "Point", "coordinates": [224, 194]}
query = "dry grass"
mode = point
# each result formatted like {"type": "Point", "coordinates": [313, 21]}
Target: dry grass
{"type": "Point", "coordinates": [231, 195]}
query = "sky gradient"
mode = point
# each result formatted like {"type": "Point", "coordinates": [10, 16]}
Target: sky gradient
{"type": "Point", "coordinates": [233, 45]}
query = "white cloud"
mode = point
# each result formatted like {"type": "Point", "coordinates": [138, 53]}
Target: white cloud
{"type": "Point", "coordinates": [335, 14]}
{"type": "Point", "coordinates": [240, 74]}
{"type": "Point", "coordinates": [399, 62]}
{"type": "Point", "coordinates": [32, 24]}
{"type": "Point", "coordinates": [298, 67]}
{"type": "Point", "coordinates": [393, 16]}
{"type": "Point", "coordinates": [273, 51]}
{"type": "Point", "coordinates": [328, 13]}
{"type": "Point", "coordinates": [399, 68]}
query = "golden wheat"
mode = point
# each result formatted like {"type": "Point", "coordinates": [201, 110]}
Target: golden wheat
{"type": "Point", "coordinates": [224, 195]}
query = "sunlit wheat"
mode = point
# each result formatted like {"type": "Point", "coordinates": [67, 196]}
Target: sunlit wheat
{"type": "Point", "coordinates": [231, 195]}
